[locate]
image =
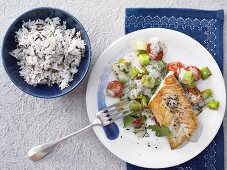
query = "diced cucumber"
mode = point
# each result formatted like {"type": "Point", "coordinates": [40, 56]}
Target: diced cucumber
{"type": "Point", "coordinates": [186, 77]}
{"type": "Point", "coordinates": [119, 67]}
{"type": "Point", "coordinates": [145, 72]}
{"type": "Point", "coordinates": [206, 94]}
{"type": "Point", "coordinates": [148, 81]}
{"type": "Point", "coordinates": [122, 60]}
{"type": "Point", "coordinates": [115, 68]}
{"type": "Point", "coordinates": [159, 65]}
{"type": "Point", "coordinates": [144, 59]}
{"type": "Point", "coordinates": [133, 72]}
{"type": "Point", "coordinates": [139, 96]}
{"type": "Point", "coordinates": [202, 103]}
{"type": "Point", "coordinates": [144, 102]}
{"type": "Point", "coordinates": [205, 73]}
{"type": "Point", "coordinates": [141, 45]}
{"type": "Point", "coordinates": [213, 104]}
{"type": "Point", "coordinates": [135, 106]}
{"type": "Point", "coordinates": [141, 52]}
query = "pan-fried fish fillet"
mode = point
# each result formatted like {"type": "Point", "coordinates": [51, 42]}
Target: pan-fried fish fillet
{"type": "Point", "coordinates": [171, 107]}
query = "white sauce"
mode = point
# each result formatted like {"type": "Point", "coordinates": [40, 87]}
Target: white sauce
{"type": "Point", "coordinates": [149, 68]}
{"type": "Point", "coordinates": [133, 59]}
{"type": "Point", "coordinates": [154, 73]}
{"type": "Point", "coordinates": [138, 84]}
{"type": "Point", "coordinates": [146, 91]}
{"type": "Point", "coordinates": [139, 88]}
{"type": "Point", "coordinates": [134, 93]}
{"type": "Point", "coordinates": [156, 45]}
{"type": "Point", "coordinates": [109, 93]}
{"type": "Point", "coordinates": [122, 76]}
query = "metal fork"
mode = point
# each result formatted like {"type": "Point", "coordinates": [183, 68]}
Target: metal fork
{"type": "Point", "coordinates": [103, 118]}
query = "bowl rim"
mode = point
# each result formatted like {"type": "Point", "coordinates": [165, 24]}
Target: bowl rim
{"type": "Point", "coordinates": [88, 50]}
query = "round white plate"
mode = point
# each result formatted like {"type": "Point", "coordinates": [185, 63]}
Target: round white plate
{"type": "Point", "coordinates": [129, 148]}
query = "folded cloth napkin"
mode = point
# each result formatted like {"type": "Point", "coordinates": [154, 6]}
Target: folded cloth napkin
{"type": "Point", "coordinates": [207, 28]}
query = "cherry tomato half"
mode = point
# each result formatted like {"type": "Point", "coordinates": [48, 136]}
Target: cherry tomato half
{"type": "Point", "coordinates": [175, 67]}
{"type": "Point", "coordinates": [194, 95]}
{"type": "Point", "coordinates": [195, 71]}
{"type": "Point", "coordinates": [137, 122]}
{"type": "Point", "coordinates": [114, 88]}
{"type": "Point", "coordinates": [158, 57]}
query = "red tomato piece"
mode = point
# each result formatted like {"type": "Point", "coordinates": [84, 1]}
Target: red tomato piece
{"type": "Point", "coordinates": [114, 88]}
{"type": "Point", "coordinates": [195, 71]}
{"type": "Point", "coordinates": [137, 122]}
{"type": "Point", "coordinates": [149, 48]}
{"type": "Point", "coordinates": [194, 95]}
{"type": "Point", "coordinates": [158, 57]}
{"type": "Point", "coordinates": [175, 67]}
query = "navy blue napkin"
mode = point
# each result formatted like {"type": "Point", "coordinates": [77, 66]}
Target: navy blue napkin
{"type": "Point", "coordinates": [207, 28]}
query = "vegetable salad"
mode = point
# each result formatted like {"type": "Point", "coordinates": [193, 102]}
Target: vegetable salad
{"type": "Point", "coordinates": [139, 74]}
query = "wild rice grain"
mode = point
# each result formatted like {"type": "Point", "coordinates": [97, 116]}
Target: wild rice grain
{"type": "Point", "coordinates": [48, 53]}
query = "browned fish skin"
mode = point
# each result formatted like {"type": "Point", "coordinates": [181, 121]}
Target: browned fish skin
{"type": "Point", "coordinates": [172, 108]}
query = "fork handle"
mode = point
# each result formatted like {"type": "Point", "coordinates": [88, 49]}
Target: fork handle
{"type": "Point", "coordinates": [38, 152]}
{"type": "Point", "coordinates": [94, 123]}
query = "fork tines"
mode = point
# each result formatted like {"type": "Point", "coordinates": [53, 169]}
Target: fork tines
{"type": "Point", "coordinates": [115, 112]}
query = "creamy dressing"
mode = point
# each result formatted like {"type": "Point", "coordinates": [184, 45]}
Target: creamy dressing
{"type": "Point", "coordinates": [134, 93]}
{"type": "Point", "coordinates": [138, 84]}
{"type": "Point", "coordinates": [146, 91]}
{"type": "Point", "coordinates": [156, 45]}
{"type": "Point", "coordinates": [138, 87]}
{"type": "Point", "coordinates": [149, 68]}
{"type": "Point", "coordinates": [110, 93]}
{"type": "Point", "coordinates": [133, 59]}
{"type": "Point", "coordinates": [122, 76]}
{"type": "Point", "coordinates": [154, 73]}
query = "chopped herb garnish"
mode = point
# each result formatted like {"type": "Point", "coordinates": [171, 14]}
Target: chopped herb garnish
{"type": "Point", "coordinates": [128, 121]}
{"type": "Point", "coordinates": [160, 130]}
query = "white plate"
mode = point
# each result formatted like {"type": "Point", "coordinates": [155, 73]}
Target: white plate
{"type": "Point", "coordinates": [180, 48]}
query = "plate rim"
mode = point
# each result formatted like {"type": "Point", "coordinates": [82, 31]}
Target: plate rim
{"type": "Point", "coordinates": [105, 143]}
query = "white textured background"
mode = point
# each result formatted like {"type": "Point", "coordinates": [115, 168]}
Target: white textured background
{"type": "Point", "coordinates": [26, 121]}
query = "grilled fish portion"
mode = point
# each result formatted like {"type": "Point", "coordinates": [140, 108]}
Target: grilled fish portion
{"type": "Point", "coordinates": [171, 107]}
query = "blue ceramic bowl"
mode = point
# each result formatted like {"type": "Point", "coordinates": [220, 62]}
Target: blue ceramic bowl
{"type": "Point", "coordinates": [10, 63]}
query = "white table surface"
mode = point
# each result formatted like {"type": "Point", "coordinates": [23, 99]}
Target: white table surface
{"type": "Point", "coordinates": [26, 121]}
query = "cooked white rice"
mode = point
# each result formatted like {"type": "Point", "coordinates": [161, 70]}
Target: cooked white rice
{"type": "Point", "coordinates": [48, 53]}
